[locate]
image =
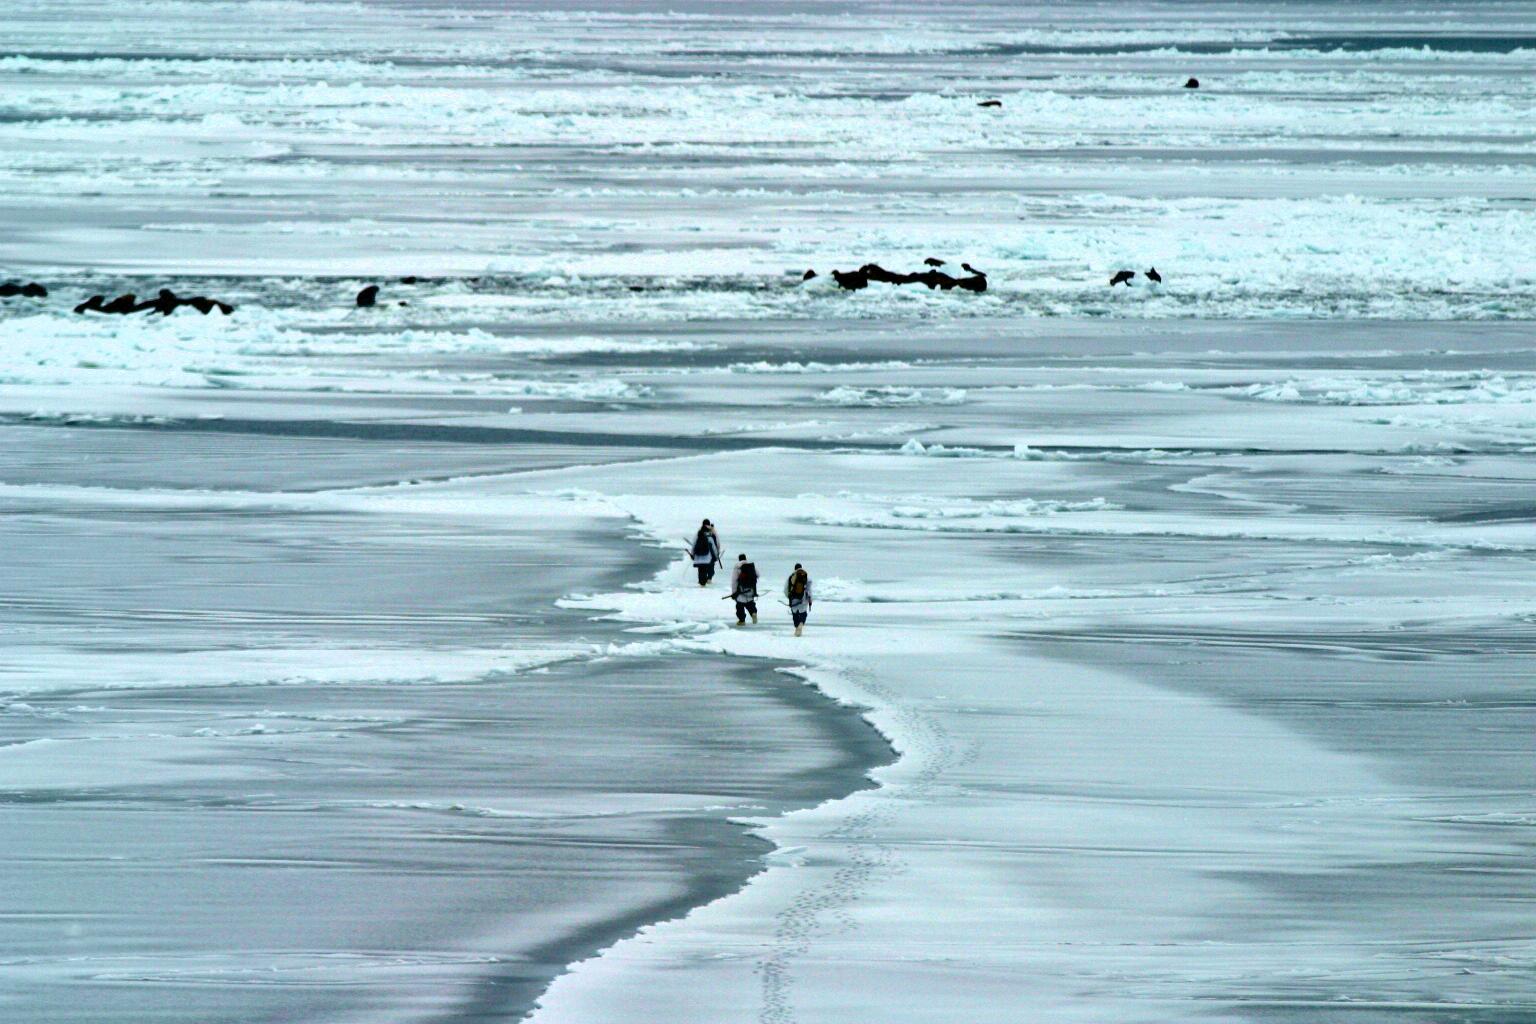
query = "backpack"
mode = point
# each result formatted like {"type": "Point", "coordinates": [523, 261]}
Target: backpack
{"type": "Point", "coordinates": [701, 543]}
{"type": "Point", "coordinates": [747, 579]}
{"type": "Point", "coordinates": [797, 584]}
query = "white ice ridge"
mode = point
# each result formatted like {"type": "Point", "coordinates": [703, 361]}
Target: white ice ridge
{"type": "Point", "coordinates": [40, 669]}
{"type": "Point", "coordinates": [891, 395]}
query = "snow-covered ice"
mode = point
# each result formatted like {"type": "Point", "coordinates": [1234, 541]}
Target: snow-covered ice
{"type": "Point", "coordinates": [1169, 656]}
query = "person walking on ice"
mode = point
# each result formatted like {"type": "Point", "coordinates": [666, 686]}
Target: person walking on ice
{"type": "Point", "coordinates": [706, 552]}
{"type": "Point", "coordinates": [797, 591]}
{"type": "Point", "coordinates": [744, 589]}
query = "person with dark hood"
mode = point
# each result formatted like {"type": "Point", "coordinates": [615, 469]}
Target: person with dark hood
{"type": "Point", "coordinates": [744, 589]}
{"type": "Point", "coordinates": [705, 552]}
{"type": "Point", "coordinates": [797, 591]}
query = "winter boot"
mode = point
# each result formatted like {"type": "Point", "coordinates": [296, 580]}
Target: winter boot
{"type": "Point", "coordinates": [798, 629]}
{"type": "Point", "coordinates": [754, 618]}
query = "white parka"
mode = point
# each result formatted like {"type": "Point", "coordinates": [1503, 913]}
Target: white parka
{"type": "Point", "coordinates": [803, 602]}
{"type": "Point", "coordinates": [741, 595]}
{"type": "Point", "coordinates": [710, 556]}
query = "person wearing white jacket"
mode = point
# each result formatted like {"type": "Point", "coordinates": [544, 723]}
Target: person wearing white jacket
{"type": "Point", "coordinates": [744, 589]}
{"type": "Point", "coordinates": [797, 591]}
{"type": "Point", "coordinates": [706, 552]}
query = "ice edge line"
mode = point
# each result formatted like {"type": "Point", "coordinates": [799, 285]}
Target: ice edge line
{"type": "Point", "coordinates": [822, 676]}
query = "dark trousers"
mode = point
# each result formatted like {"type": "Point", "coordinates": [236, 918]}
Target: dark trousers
{"type": "Point", "coordinates": [743, 607]}
{"type": "Point", "coordinates": [798, 618]}
{"type": "Point", "coordinates": [706, 573]}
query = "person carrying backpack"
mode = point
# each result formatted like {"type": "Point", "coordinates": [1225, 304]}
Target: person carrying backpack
{"type": "Point", "coordinates": [706, 552]}
{"type": "Point", "coordinates": [744, 589]}
{"type": "Point", "coordinates": [797, 591]}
